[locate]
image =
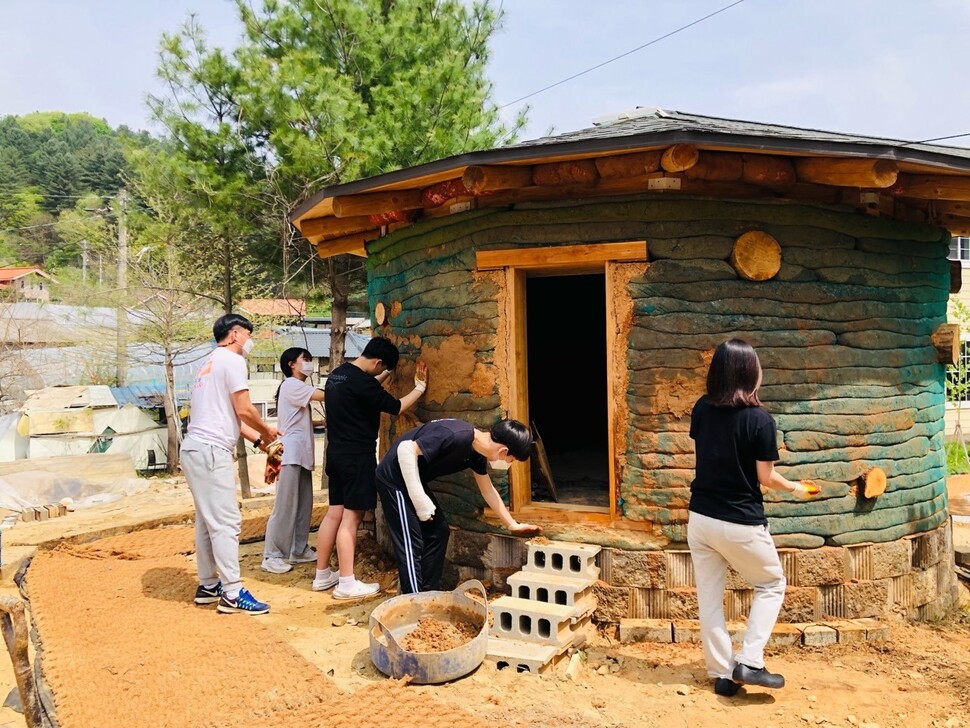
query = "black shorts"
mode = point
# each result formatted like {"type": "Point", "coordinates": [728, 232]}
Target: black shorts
{"type": "Point", "coordinates": [351, 481]}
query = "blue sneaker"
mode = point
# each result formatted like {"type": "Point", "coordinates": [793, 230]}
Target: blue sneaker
{"type": "Point", "coordinates": [245, 603]}
{"type": "Point", "coordinates": [208, 594]}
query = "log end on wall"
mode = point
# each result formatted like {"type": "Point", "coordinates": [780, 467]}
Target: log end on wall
{"type": "Point", "coordinates": [946, 339]}
{"type": "Point", "coordinates": [874, 483]}
{"type": "Point", "coordinates": [756, 256]}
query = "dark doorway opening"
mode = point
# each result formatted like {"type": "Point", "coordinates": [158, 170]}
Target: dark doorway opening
{"type": "Point", "coordinates": [566, 343]}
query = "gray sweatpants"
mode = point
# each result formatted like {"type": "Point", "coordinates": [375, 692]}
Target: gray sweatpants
{"type": "Point", "coordinates": [289, 525]}
{"type": "Point", "coordinates": [210, 474]}
{"type": "Point", "coordinates": [715, 544]}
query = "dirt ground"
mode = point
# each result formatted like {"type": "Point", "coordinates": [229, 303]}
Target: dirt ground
{"type": "Point", "coordinates": [921, 677]}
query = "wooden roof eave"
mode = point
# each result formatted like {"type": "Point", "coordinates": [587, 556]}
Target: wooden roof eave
{"type": "Point", "coordinates": [907, 160]}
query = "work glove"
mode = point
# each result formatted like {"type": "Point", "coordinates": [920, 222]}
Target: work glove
{"type": "Point", "coordinates": [806, 490]}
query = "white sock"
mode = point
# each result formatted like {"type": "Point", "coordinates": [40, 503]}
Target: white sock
{"type": "Point", "coordinates": [232, 596]}
{"type": "Point", "coordinates": [210, 584]}
{"type": "Point", "coordinates": [323, 574]}
{"type": "Point", "coordinates": [347, 581]}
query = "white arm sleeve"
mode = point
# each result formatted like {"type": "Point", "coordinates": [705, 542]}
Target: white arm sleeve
{"type": "Point", "coordinates": [408, 460]}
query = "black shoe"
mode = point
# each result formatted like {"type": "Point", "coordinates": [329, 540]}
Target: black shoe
{"type": "Point", "coordinates": [725, 687]}
{"type": "Point", "coordinates": [751, 676]}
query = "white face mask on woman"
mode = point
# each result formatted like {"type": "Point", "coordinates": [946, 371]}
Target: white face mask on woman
{"type": "Point", "coordinates": [499, 464]}
{"type": "Point", "coordinates": [308, 368]}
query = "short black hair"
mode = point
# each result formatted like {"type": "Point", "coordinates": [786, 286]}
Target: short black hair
{"type": "Point", "coordinates": [515, 436]}
{"type": "Point", "coordinates": [225, 324]}
{"type": "Point", "coordinates": [291, 355]}
{"type": "Point", "coordinates": [383, 350]}
{"type": "Point", "coordinates": [735, 375]}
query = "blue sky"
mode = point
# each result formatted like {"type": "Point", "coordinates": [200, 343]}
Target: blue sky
{"type": "Point", "coordinates": [895, 68]}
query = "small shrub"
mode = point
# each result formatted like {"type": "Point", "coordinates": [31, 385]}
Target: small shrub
{"type": "Point", "coordinates": [956, 459]}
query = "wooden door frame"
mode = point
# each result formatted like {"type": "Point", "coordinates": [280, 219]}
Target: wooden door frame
{"type": "Point", "coordinates": [519, 264]}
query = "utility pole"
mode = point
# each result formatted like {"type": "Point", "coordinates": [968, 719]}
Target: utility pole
{"type": "Point", "coordinates": [122, 314]}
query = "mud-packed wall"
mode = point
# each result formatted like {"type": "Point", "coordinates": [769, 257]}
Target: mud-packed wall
{"type": "Point", "coordinates": [843, 332]}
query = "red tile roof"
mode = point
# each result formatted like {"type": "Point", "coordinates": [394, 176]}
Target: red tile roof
{"type": "Point", "coordinates": [274, 306]}
{"type": "Point", "coordinates": [12, 274]}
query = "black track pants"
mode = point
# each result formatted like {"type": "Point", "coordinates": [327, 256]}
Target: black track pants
{"type": "Point", "coordinates": [419, 546]}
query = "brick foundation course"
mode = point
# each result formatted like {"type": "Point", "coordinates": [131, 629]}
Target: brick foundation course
{"type": "Point", "coordinates": [807, 634]}
{"type": "Point", "coordinates": [912, 576]}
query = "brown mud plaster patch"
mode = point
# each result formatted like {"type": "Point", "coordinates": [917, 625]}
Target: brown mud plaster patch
{"type": "Point", "coordinates": [502, 344]}
{"type": "Point", "coordinates": [450, 368]}
{"type": "Point", "coordinates": [483, 381]}
{"type": "Point", "coordinates": [620, 315]}
{"type": "Point", "coordinates": [678, 395]}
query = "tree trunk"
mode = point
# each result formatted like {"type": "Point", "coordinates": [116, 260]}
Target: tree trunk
{"type": "Point", "coordinates": [173, 422]}
{"type": "Point", "coordinates": [340, 289]}
{"type": "Point", "coordinates": [227, 277]}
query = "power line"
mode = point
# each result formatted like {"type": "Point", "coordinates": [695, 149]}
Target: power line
{"type": "Point", "coordinates": [622, 55]}
{"type": "Point", "coordinates": [48, 224]}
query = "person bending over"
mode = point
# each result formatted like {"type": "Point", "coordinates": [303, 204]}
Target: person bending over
{"type": "Point", "coordinates": [418, 526]}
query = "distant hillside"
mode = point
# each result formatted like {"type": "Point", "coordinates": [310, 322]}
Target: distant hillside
{"type": "Point", "coordinates": [48, 162]}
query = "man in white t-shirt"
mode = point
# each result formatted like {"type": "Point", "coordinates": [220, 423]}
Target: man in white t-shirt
{"type": "Point", "coordinates": [221, 410]}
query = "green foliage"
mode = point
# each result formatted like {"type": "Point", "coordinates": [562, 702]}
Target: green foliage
{"type": "Point", "coordinates": [957, 462]}
{"type": "Point", "coordinates": [351, 88]}
{"type": "Point", "coordinates": [54, 169]}
{"type": "Point", "coordinates": [317, 93]}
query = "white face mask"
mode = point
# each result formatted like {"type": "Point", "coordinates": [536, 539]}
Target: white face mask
{"type": "Point", "coordinates": [248, 347]}
{"type": "Point", "coordinates": [308, 368]}
{"type": "Point", "coordinates": [499, 464]}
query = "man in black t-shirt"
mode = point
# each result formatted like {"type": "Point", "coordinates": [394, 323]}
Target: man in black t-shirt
{"type": "Point", "coordinates": [354, 400]}
{"type": "Point", "coordinates": [419, 529]}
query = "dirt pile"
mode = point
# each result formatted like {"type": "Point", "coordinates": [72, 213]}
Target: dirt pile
{"type": "Point", "coordinates": [437, 635]}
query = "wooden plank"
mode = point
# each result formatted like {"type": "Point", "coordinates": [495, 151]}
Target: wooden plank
{"type": "Point", "coordinates": [353, 244]}
{"type": "Point", "coordinates": [485, 178]}
{"type": "Point", "coordinates": [334, 227]}
{"type": "Point", "coordinates": [90, 466]}
{"type": "Point", "coordinates": [933, 187]}
{"type": "Point", "coordinates": [847, 172]}
{"type": "Point", "coordinates": [544, 467]}
{"type": "Point", "coordinates": [563, 255]}
{"type": "Point", "coordinates": [520, 476]}
{"type": "Point", "coordinates": [612, 330]}
{"type": "Point", "coordinates": [376, 203]}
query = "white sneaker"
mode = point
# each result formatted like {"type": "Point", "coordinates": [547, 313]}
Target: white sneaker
{"type": "Point", "coordinates": [359, 590]}
{"type": "Point", "coordinates": [275, 565]}
{"type": "Point", "coordinates": [306, 557]}
{"type": "Point", "coordinates": [324, 584]}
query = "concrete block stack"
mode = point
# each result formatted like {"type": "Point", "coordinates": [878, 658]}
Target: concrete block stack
{"type": "Point", "coordinates": [550, 606]}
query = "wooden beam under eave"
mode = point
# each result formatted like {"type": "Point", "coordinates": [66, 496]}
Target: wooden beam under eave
{"type": "Point", "coordinates": [561, 255]}
{"type": "Point", "coordinates": [486, 178]}
{"type": "Point", "coordinates": [933, 187]}
{"type": "Point", "coordinates": [847, 172]}
{"type": "Point", "coordinates": [376, 203]}
{"type": "Point", "coordinates": [958, 226]}
{"type": "Point", "coordinates": [334, 227]}
{"type": "Point", "coordinates": [352, 244]}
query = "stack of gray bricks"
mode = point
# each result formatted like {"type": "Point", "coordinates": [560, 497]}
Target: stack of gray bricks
{"type": "Point", "coordinates": [551, 604]}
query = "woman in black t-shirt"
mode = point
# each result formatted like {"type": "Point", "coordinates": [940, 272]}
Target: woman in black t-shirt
{"type": "Point", "coordinates": [735, 444]}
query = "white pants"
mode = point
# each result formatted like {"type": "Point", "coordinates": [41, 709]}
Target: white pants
{"type": "Point", "coordinates": [209, 471]}
{"type": "Point", "coordinates": [715, 544]}
{"type": "Point", "coordinates": [289, 525]}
